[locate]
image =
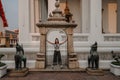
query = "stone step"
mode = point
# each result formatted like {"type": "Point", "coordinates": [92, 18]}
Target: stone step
{"type": "Point", "coordinates": [58, 70]}
{"type": "Point", "coordinates": [18, 73]}
{"type": "Point", "coordinates": [96, 72]}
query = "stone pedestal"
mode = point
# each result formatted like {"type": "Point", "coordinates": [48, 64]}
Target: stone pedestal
{"type": "Point", "coordinates": [40, 61]}
{"type": "Point", "coordinates": [73, 61]}
{"type": "Point", "coordinates": [73, 65]}
{"type": "Point", "coordinates": [3, 70]}
{"type": "Point", "coordinates": [18, 73]}
{"type": "Point", "coordinates": [96, 72]}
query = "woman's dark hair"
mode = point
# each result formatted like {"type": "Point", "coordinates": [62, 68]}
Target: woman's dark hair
{"type": "Point", "coordinates": [56, 41]}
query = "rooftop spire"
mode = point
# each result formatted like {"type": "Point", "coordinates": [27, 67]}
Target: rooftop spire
{"type": "Point", "coordinates": [67, 13]}
{"type": "Point", "coordinates": [66, 8]}
{"type": "Point", "coordinates": [56, 14]}
{"type": "Point", "coordinates": [67, 5]}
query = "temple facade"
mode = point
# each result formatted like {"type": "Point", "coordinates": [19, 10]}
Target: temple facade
{"type": "Point", "coordinates": [97, 21]}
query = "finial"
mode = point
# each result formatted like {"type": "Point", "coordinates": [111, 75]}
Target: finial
{"type": "Point", "coordinates": [66, 8]}
{"type": "Point", "coordinates": [66, 4]}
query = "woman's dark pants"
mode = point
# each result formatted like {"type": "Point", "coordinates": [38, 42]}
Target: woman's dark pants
{"type": "Point", "coordinates": [57, 58]}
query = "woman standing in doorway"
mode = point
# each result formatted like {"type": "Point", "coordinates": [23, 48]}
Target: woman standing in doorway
{"type": "Point", "coordinates": [57, 55]}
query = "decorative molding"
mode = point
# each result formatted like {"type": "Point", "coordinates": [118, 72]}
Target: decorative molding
{"type": "Point", "coordinates": [111, 37]}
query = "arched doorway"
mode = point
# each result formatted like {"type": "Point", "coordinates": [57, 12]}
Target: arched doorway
{"type": "Point", "coordinates": [51, 35]}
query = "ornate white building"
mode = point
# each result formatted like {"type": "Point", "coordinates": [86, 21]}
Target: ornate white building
{"type": "Point", "coordinates": [98, 20]}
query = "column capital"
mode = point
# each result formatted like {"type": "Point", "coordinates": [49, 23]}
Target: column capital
{"type": "Point", "coordinates": [69, 31]}
{"type": "Point", "coordinates": [42, 30]}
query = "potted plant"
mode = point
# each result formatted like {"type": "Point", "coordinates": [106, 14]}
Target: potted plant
{"type": "Point", "coordinates": [115, 64]}
{"type": "Point", "coordinates": [3, 67]}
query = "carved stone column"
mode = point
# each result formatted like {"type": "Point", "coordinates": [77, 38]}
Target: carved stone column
{"type": "Point", "coordinates": [69, 32]}
{"type": "Point", "coordinates": [72, 56]}
{"type": "Point", "coordinates": [85, 16]}
{"type": "Point", "coordinates": [44, 10]}
{"type": "Point", "coordinates": [95, 21]}
{"type": "Point", "coordinates": [24, 17]}
{"type": "Point", "coordinates": [42, 39]}
{"type": "Point", "coordinates": [40, 61]}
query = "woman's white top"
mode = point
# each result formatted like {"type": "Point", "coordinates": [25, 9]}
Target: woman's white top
{"type": "Point", "coordinates": [57, 47]}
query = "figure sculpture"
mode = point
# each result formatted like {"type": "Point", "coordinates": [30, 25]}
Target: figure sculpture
{"type": "Point", "coordinates": [93, 58]}
{"type": "Point", "coordinates": [19, 57]}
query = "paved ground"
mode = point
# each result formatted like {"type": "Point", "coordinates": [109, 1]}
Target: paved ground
{"type": "Point", "coordinates": [62, 76]}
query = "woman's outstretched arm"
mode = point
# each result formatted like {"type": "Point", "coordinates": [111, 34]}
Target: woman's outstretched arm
{"type": "Point", "coordinates": [63, 42]}
{"type": "Point", "coordinates": [50, 42]}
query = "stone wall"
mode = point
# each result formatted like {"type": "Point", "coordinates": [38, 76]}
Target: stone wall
{"type": "Point", "coordinates": [105, 57]}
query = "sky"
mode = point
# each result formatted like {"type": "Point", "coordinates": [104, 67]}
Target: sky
{"type": "Point", "coordinates": [11, 12]}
